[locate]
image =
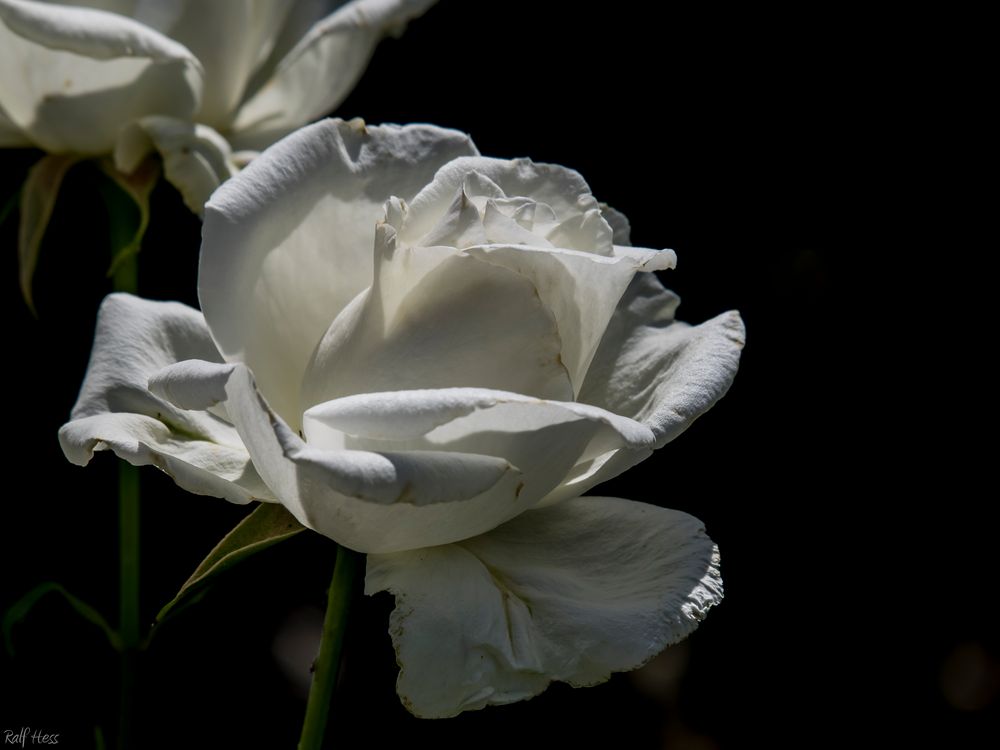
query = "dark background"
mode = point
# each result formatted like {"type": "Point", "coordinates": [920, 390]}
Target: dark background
{"type": "Point", "coordinates": [858, 610]}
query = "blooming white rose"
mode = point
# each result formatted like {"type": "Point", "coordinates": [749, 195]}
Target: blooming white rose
{"type": "Point", "coordinates": [195, 80]}
{"type": "Point", "coordinates": [429, 356]}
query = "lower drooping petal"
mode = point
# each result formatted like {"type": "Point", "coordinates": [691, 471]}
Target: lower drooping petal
{"type": "Point", "coordinates": [116, 411]}
{"type": "Point", "coordinates": [571, 592]}
{"type": "Point", "coordinates": [657, 370]}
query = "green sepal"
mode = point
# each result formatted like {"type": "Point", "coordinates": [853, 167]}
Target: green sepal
{"type": "Point", "coordinates": [268, 524]}
{"type": "Point", "coordinates": [128, 207]}
{"type": "Point", "coordinates": [38, 197]}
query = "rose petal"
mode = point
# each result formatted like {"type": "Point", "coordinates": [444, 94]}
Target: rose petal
{"type": "Point", "coordinates": [371, 501]}
{"type": "Point", "coordinates": [273, 274]}
{"type": "Point", "coordinates": [544, 440]}
{"type": "Point", "coordinates": [572, 593]}
{"type": "Point", "coordinates": [196, 159]}
{"type": "Point", "coordinates": [658, 371]}
{"type": "Point", "coordinates": [580, 289]}
{"type": "Point", "coordinates": [619, 224]}
{"type": "Point", "coordinates": [462, 323]}
{"type": "Point", "coordinates": [71, 77]}
{"type": "Point", "coordinates": [591, 471]}
{"type": "Point", "coordinates": [322, 68]}
{"type": "Point", "coordinates": [562, 189]}
{"type": "Point", "coordinates": [230, 39]}
{"type": "Point", "coordinates": [115, 410]}
{"type": "Point", "coordinates": [587, 232]}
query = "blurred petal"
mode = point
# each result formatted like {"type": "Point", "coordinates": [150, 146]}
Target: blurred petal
{"type": "Point", "coordinates": [71, 77]}
{"type": "Point", "coordinates": [370, 501]}
{"type": "Point", "coordinates": [230, 39]}
{"type": "Point", "coordinates": [289, 241]}
{"type": "Point", "coordinates": [658, 371]}
{"type": "Point", "coordinates": [11, 136]}
{"type": "Point", "coordinates": [115, 410]}
{"type": "Point", "coordinates": [196, 159]}
{"type": "Point", "coordinates": [321, 69]}
{"type": "Point", "coordinates": [572, 593]}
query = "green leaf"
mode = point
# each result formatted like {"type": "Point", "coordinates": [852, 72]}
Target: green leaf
{"type": "Point", "coordinates": [137, 187]}
{"type": "Point", "coordinates": [38, 198]}
{"type": "Point", "coordinates": [21, 608]}
{"type": "Point", "coordinates": [267, 525]}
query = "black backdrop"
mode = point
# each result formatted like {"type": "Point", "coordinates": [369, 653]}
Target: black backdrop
{"type": "Point", "coordinates": [758, 154]}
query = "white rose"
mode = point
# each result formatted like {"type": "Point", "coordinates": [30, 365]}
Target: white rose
{"type": "Point", "coordinates": [195, 80]}
{"type": "Point", "coordinates": [440, 401]}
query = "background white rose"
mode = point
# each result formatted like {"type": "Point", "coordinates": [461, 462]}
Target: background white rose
{"type": "Point", "coordinates": [194, 80]}
{"type": "Point", "coordinates": [428, 356]}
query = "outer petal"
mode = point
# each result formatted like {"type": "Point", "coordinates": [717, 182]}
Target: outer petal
{"type": "Point", "coordinates": [321, 69]}
{"type": "Point", "coordinates": [658, 371]}
{"type": "Point", "coordinates": [272, 275]}
{"type": "Point", "coordinates": [71, 77]}
{"type": "Point", "coordinates": [115, 411]}
{"type": "Point", "coordinates": [571, 593]}
{"type": "Point", "coordinates": [371, 501]}
{"type": "Point", "coordinates": [196, 159]}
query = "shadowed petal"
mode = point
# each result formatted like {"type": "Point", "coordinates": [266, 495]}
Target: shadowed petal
{"type": "Point", "coordinates": [657, 370]}
{"type": "Point", "coordinates": [115, 411]}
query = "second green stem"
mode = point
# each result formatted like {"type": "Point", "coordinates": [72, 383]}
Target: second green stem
{"type": "Point", "coordinates": [345, 577]}
{"type": "Point", "coordinates": [126, 279]}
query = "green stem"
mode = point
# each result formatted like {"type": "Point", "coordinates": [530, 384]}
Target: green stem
{"type": "Point", "coordinates": [345, 577]}
{"type": "Point", "coordinates": [128, 538]}
{"type": "Point", "coordinates": [128, 519]}
{"type": "Point", "coordinates": [126, 279]}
